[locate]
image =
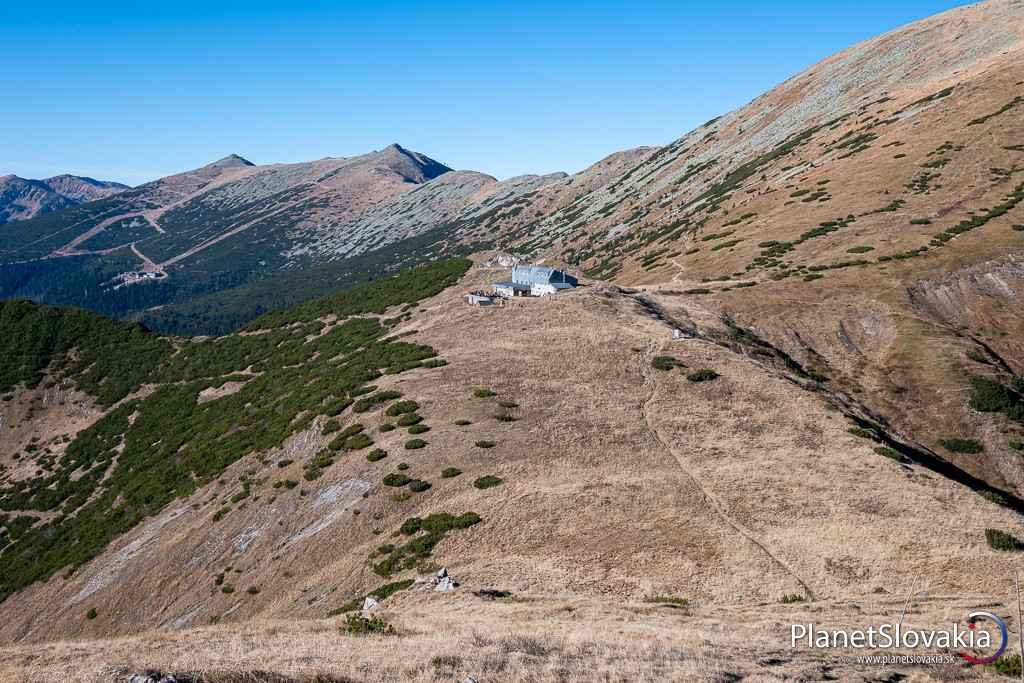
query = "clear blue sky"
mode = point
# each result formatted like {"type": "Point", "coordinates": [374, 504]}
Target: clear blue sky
{"type": "Point", "coordinates": [131, 91]}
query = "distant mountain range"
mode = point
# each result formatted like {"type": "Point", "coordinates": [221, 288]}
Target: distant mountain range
{"type": "Point", "coordinates": [173, 241]}
{"type": "Point", "coordinates": [22, 199]}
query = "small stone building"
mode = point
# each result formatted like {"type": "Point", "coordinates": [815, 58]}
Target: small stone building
{"type": "Point", "coordinates": [535, 281]}
{"type": "Point", "coordinates": [475, 299]}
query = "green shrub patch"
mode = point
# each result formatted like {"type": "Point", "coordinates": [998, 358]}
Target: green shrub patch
{"type": "Point", "coordinates": [666, 363]}
{"type": "Point", "coordinates": [703, 375]}
{"type": "Point", "coordinates": [427, 533]}
{"type": "Point", "coordinates": [374, 400]}
{"type": "Point", "coordinates": [358, 625]}
{"type": "Point", "coordinates": [990, 396]}
{"type": "Point", "coordinates": [670, 600]}
{"type": "Point", "coordinates": [962, 445]}
{"type": "Point", "coordinates": [396, 479]}
{"type": "Point", "coordinates": [488, 481]}
{"type": "Point", "coordinates": [890, 453]}
{"type": "Point", "coordinates": [339, 442]}
{"type": "Point", "coordinates": [1000, 540]}
{"type": "Point", "coordinates": [401, 408]}
{"type": "Point", "coordinates": [387, 590]}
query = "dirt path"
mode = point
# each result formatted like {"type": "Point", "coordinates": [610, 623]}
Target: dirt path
{"type": "Point", "coordinates": [147, 263]}
{"type": "Point", "coordinates": [675, 278]}
{"type": "Point", "coordinates": [71, 248]}
{"type": "Point", "coordinates": [713, 501]}
{"type": "Point", "coordinates": [151, 216]}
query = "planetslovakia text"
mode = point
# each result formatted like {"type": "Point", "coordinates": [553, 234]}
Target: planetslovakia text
{"type": "Point", "coordinates": [887, 636]}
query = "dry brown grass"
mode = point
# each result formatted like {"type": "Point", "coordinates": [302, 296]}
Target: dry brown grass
{"type": "Point", "coordinates": [573, 641]}
{"type": "Point", "coordinates": [301, 651]}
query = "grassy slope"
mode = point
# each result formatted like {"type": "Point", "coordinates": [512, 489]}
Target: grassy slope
{"type": "Point", "coordinates": [128, 466]}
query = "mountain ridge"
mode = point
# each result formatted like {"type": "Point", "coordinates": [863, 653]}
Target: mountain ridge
{"type": "Point", "coordinates": [24, 199]}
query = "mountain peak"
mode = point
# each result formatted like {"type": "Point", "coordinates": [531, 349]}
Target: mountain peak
{"type": "Point", "coordinates": [231, 161]}
{"type": "Point", "coordinates": [413, 165]}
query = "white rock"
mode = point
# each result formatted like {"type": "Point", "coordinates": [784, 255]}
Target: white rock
{"type": "Point", "coordinates": [369, 603]}
{"type": "Point", "coordinates": [445, 585]}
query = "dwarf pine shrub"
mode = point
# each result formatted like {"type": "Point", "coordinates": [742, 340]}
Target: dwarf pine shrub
{"type": "Point", "coordinates": [962, 445]}
{"type": "Point", "coordinates": [358, 625]}
{"type": "Point", "coordinates": [373, 400]}
{"type": "Point", "coordinates": [702, 375]}
{"type": "Point", "coordinates": [665, 363]}
{"type": "Point", "coordinates": [488, 481]}
{"type": "Point", "coordinates": [401, 408]}
{"type": "Point", "coordinates": [668, 600]}
{"type": "Point", "coordinates": [1000, 540]}
{"type": "Point", "coordinates": [396, 479]}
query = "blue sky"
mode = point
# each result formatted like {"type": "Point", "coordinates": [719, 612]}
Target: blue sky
{"type": "Point", "coordinates": [132, 91]}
